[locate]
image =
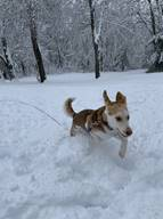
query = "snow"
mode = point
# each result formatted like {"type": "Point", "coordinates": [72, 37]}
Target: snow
{"type": "Point", "coordinates": [45, 174]}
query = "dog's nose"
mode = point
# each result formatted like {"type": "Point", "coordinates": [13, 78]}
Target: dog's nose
{"type": "Point", "coordinates": [129, 131]}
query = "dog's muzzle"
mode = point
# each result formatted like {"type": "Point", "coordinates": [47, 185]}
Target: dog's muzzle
{"type": "Point", "coordinates": [129, 131]}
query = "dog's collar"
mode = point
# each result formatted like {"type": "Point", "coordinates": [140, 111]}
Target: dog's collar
{"type": "Point", "coordinates": [105, 123]}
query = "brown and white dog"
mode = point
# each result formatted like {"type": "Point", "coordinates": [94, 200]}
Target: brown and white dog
{"type": "Point", "coordinates": [110, 120]}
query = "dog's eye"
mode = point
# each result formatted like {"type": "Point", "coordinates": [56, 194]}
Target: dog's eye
{"type": "Point", "coordinates": [128, 117]}
{"type": "Point", "coordinates": [119, 119]}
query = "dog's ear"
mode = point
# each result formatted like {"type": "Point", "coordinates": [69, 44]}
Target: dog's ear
{"type": "Point", "coordinates": [120, 98]}
{"type": "Point", "coordinates": [106, 98]}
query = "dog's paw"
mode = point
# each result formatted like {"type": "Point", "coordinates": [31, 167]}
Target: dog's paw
{"type": "Point", "coordinates": [122, 155]}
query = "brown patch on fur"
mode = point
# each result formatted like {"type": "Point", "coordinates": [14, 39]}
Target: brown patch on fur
{"type": "Point", "coordinates": [114, 108]}
{"type": "Point", "coordinates": [80, 118]}
{"type": "Point", "coordinates": [95, 121]}
{"type": "Point", "coordinates": [88, 119]}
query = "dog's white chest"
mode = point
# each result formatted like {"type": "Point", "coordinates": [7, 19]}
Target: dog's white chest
{"type": "Point", "coordinates": [105, 135]}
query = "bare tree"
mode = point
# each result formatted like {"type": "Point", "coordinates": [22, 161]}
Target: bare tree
{"type": "Point", "coordinates": [8, 73]}
{"type": "Point", "coordinates": [95, 39]}
{"type": "Point", "coordinates": [155, 22]}
{"type": "Point", "coordinates": [92, 35]}
{"type": "Point", "coordinates": [33, 30]}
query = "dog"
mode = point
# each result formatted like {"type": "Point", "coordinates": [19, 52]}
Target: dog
{"type": "Point", "coordinates": [110, 120]}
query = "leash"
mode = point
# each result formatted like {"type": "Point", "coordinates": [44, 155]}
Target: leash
{"type": "Point", "coordinates": [36, 108]}
{"type": "Point", "coordinates": [48, 115]}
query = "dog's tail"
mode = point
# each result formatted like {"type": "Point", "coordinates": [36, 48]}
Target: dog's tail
{"type": "Point", "coordinates": [68, 107]}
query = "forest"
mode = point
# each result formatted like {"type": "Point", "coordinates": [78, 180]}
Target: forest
{"type": "Point", "coordinates": [44, 37]}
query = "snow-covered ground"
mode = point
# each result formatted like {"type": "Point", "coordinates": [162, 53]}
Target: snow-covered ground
{"type": "Point", "coordinates": [45, 174]}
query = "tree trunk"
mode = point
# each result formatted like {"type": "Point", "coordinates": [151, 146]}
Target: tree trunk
{"type": "Point", "coordinates": [9, 73]}
{"type": "Point", "coordinates": [94, 40]}
{"type": "Point", "coordinates": [152, 17]}
{"type": "Point", "coordinates": [23, 68]}
{"type": "Point", "coordinates": [37, 53]}
{"type": "Point", "coordinates": [157, 63]}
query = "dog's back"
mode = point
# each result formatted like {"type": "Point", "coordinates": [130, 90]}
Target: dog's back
{"type": "Point", "coordinates": [87, 119]}
{"type": "Point", "coordinates": [80, 118]}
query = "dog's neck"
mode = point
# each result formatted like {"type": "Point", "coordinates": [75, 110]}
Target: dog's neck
{"type": "Point", "coordinates": [107, 131]}
{"type": "Point", "coordinates": [105, 121]}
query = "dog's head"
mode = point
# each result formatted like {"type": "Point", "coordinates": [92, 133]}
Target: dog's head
{"type": "Point", "coordinates": [117, 114]}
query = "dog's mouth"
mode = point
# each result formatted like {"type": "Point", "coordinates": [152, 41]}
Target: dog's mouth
{"type": "Point", "coordinates": [122, 134]}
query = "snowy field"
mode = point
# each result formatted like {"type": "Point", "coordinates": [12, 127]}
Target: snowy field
{"type": "Point", "coordinates": [45, 174]}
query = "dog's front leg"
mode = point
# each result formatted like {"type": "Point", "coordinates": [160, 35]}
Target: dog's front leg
{"type": "Point", "coordinates": [123, 148]}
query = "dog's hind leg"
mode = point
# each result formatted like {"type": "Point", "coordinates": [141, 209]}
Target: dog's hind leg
{"type": "Point", "coordinates": [72, 131]}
